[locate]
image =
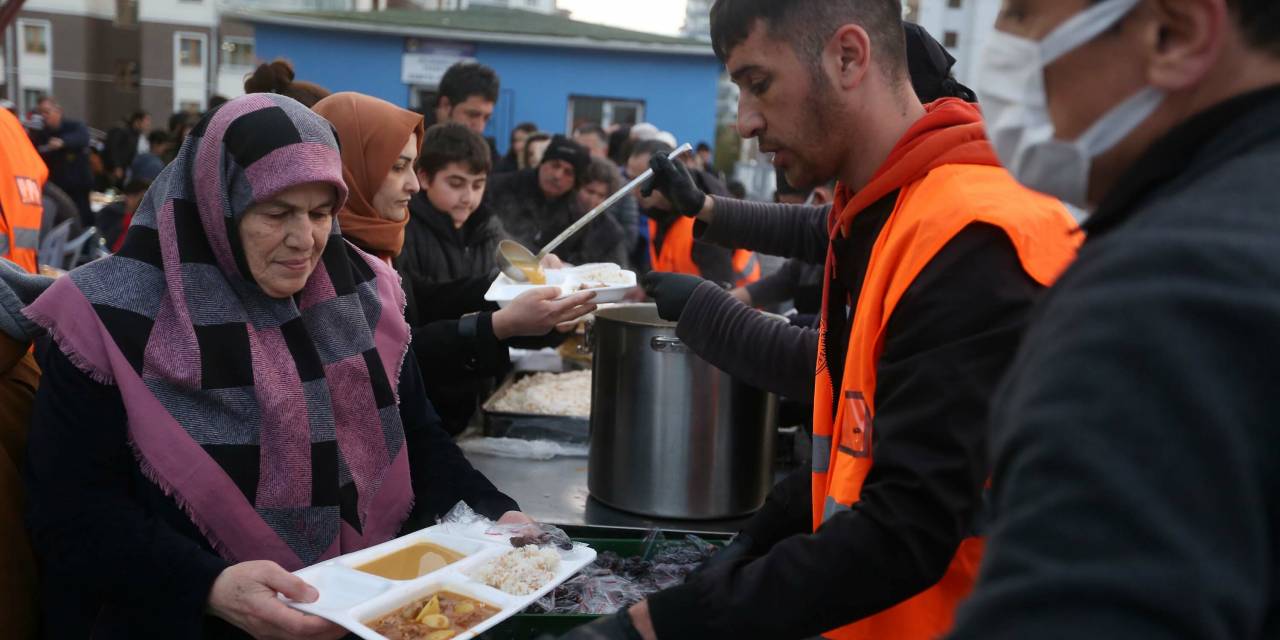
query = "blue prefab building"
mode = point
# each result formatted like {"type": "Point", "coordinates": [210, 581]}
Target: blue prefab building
{"type": "Point", "coordinates": [556, 72]}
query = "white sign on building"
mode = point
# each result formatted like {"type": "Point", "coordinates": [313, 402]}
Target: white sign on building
{"type": "Point", "coordinates": [425, 66]}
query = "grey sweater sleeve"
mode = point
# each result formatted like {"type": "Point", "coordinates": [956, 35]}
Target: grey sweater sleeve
{"type": "Point", "coordinates": [781, 358]}
{"type": "Point", "coordinates": [776, 288]}
{"type": "Point", "coordinates": [787, 230]}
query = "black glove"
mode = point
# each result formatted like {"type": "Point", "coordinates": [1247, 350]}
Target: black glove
{"type": "Point", "coordinates": [671, 291]}
{"type": "Point", "coordinates": [673, 180]}
{"type": "Point", "coordinates": [740, 547]}
{"type": "Point", "coordinates": [618, 626]}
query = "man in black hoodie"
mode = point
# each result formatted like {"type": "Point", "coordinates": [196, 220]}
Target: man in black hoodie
{"type": "Point", "coordinates": [536, 205]}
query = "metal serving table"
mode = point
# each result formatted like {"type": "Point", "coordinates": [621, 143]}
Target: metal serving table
{"type": "Point", "coordinates": [555, 491]}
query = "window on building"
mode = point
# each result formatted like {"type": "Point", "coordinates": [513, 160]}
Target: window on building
{"type": "Point", "coordinates": [603, 111]}
{"type": "Point", "coordinates": [35, 39]}
{"type": "Point", "coordinates": [190, 52]}
{"type": "Point", "coordinates": [950, 39]}
{"type": "Point", "coordinates": [126, 13]}
{"type": "Point", "coordinates": [238, 52]}
{"type": "Point", "coordinates": [954, 4]}
{"type": "Point", "coordinates": [31, 98]}
{"type": "Point", "coordinates": [128, 75]}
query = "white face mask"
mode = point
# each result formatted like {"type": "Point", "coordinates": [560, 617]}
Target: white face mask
{"type": "Point", "coordinates": [1016, 106]}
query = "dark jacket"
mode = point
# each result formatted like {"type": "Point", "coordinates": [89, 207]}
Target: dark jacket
{"type": "Point", "coordinates": [446, 272]}
{"type": "Point", "coordinates": [110, 221]}
{"type": "Point", "coordinates": [120, 559]}
{"type": "Point", "coordinates": [533, 220]}
{"type": "Point", "coordinates": [68, 166]}
{"type": "Point", "coordinates": [797, 281]}
{"type": "Point", "coordinates": [951, 337]}
{"type": "Point", "coordinates": [121, 147]}
{"type": "Point", "coordinates": [1136, 477]}
{"type": "Point", "coordinates": [437, 254]}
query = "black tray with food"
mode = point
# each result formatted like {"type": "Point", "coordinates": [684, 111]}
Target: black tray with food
{"type": "Point", "coordinates": [537, 419]}
{"type": "Point", "coordinates": [631, 564]}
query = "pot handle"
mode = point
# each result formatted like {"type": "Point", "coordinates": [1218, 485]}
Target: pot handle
{"type": "Point", "coordinates": [666, 344]}
{"type": "Point", "coordinates": [588, 338]}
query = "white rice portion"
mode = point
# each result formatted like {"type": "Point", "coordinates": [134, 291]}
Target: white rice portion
{"type": "Point", "coordinates": [548, 394]}
{"type": "Point", "coordinates": [519, 572]}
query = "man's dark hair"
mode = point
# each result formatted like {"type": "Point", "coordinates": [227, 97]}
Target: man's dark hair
{"type": "Point", "coordinates": [702, 146]}
{"type": "Point", "coordinates": [593, 129]}
{"type": "Point", "coordinates": [620, 145]}
{"type": "Point", "coordinates": [467, 79]}
{"type": "Point", "coordinates": [527, 127]}
{"type": "Point", "coordinates": [137, 116]}
{"type": "Point", "coordinates": [1258, 20]}
{"type": "Point", "coordinates": [809, 24]}
{"type": "Point", "coordinates": [159, 136]}
{"type": "Point", "coordinates": [450, 143]}
{"type": "Point", "coordinates": [136, 186]}
{"type": "Point", "coordinates": [601, 170]}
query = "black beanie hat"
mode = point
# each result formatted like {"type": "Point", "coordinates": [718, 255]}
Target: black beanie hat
{"type": "Point", "coordinates": [562, 148]}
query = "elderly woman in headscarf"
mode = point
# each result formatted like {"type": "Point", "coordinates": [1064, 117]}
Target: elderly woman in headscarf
{"type": "Point", "coordinates": [459, 339]}
{"type": "Point", "coordinates": [229, 399]}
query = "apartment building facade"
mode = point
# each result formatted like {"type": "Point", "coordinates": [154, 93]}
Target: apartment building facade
{"type": "Point", "coordinates": [104, 59]}
{"type": "Point", "coordinates": [962, 26]}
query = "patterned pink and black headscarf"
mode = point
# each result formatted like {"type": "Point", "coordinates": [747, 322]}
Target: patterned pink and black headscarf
{"type": "Point", "coordinates": [274, 423]}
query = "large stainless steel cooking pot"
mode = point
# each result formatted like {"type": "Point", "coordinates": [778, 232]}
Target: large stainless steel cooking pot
{"type": "Point", "coordinates": [671, 435]}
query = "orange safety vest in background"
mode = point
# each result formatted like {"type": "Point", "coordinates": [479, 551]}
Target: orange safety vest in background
{"type": "Point", "coordinates": [677, 254]}
{"type": "Point", "coordinates": [22, 177]}
{"type": "Point", "coordinates": [928, 213]}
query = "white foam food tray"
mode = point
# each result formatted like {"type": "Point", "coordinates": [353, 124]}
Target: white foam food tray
{"type": "Point", "coordinates": [609, 282]}
{"type": "Point", "coordinates": [350, 598]}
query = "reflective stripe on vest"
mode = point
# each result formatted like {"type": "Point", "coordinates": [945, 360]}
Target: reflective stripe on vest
{"type": "Point", "coordinates": [821, 453]}
{"type": "Point", "coordinates": [26, 238]}
{"type": "Point", "coordinates": [926, 216]}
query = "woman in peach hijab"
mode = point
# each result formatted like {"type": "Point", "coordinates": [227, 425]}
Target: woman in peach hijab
{"type": "Point", "coordinates": [379, 145]}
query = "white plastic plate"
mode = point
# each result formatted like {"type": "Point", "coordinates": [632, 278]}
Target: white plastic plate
{"type": "Point", "coordinates": [349, 597]}
{"type": "Point", "coordinates": [609, 282]}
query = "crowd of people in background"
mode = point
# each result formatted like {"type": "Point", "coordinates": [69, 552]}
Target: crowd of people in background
{"type": "Point", "coordinates": [462, 197]}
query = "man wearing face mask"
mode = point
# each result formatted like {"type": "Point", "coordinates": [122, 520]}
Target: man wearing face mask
{"type": "Point", "coordinates": [1136, 474]}
{"type": "Point", "coordinates": [939, 254]}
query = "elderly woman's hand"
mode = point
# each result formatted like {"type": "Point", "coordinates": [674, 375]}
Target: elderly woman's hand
{"type": "Point", "coordinates": [515, 517]}
{"type": "Point", "coordinates": [538, 312]}
{"type": "Point", "coordinates": [245, 595]}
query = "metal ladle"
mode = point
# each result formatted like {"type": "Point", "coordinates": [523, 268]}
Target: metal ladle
{"type": "Point", "coordinates": [511, 253]}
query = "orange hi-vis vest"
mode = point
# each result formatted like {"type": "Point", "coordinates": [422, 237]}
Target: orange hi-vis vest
{"type": "Point", "coordinates": [677, 254]}
{"type": "Point", "coordinates": [22, 177]}
{"type": "Point", "coordinates": [928, 213]}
